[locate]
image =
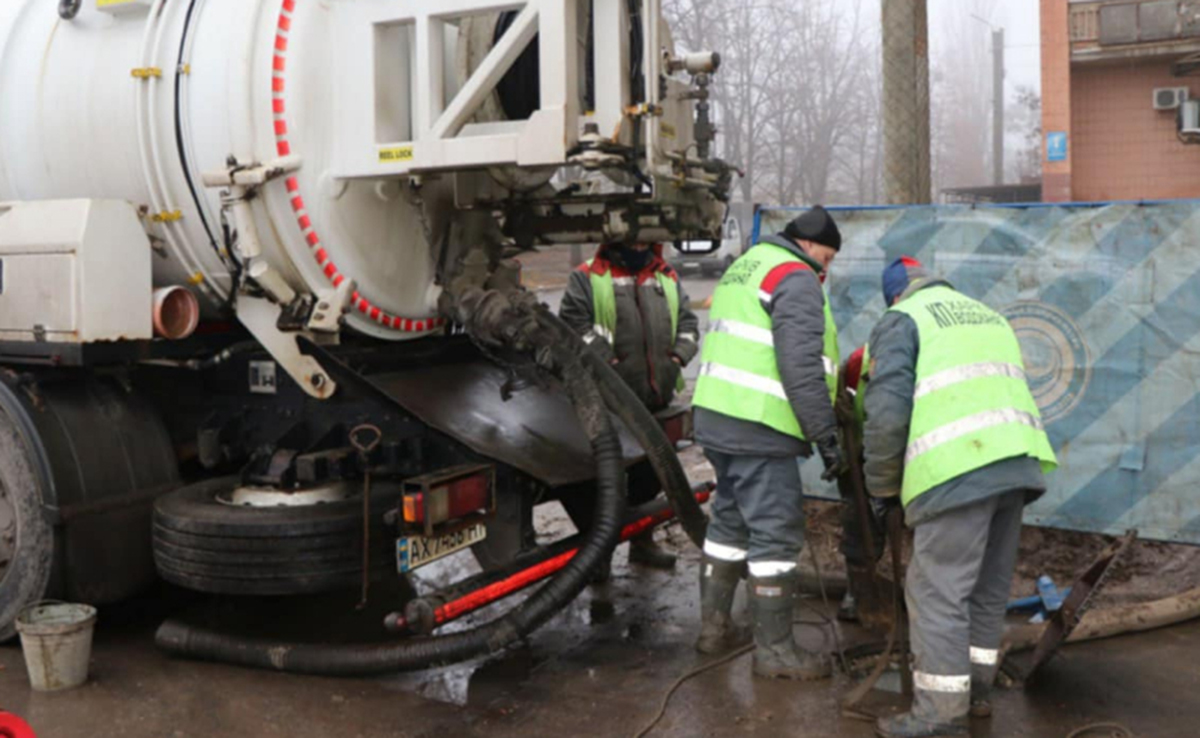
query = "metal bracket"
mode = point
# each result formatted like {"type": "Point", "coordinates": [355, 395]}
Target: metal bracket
{"type": "Point", "coordinates": [260, 318]}
{"type": "Point", "coordinates": [331, 306]}
{"type": "Point", "coordinates": [241, 181]}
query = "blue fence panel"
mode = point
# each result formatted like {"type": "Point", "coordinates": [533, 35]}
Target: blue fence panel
{"type": "Point", "coordinates": [1106, 301]}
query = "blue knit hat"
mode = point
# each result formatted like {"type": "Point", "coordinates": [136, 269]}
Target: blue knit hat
{"type": "Point", "coordinates": [899, 275]}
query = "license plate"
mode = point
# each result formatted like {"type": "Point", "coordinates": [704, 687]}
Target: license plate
{"type": "Point", "coordinates": [416, 551]}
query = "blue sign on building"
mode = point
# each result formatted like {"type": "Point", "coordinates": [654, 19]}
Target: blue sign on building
{"type": "Point", "coordinates": [1056, 146]}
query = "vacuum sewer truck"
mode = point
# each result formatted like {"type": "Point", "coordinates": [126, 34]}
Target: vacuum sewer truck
{"type": "Point", "coordinates": [262, 328]}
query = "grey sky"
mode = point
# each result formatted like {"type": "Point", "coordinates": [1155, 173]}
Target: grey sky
{"type": "Point", "coordinates": [1019, 18]}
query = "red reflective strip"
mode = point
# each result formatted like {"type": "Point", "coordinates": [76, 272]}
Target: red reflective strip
{"type": "Point", "coordinates": [777, 275]}
{"type": "Point", "coordinates": [284, 148]}
{"type": "Point", "coordinates": [419, 326]}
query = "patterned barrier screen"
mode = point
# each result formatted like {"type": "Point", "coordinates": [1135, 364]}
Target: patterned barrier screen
{"type": "Point", "coordinates": [1106, 302]}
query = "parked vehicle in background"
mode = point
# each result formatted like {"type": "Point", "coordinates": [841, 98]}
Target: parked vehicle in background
{"type": "Point", "coordinates": [688, 256]}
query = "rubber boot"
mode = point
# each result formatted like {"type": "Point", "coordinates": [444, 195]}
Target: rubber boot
{"type": "Point", "coordinates": [645, 552]}
{"type": "Point", "coordinates": [982, 678]}
{"type": "Point", "coordinates": [718, 585]}
{"type": "Point", "coordinates": [776, 655]}
{"type": "Point", "coordinates": [908, 726]}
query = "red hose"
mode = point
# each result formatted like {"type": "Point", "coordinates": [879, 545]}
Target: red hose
{"type": "Point", "coordinates": [496, 591]}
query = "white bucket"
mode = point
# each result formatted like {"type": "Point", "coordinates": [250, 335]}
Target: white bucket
{"type": "Point", "coordinates": [57, 640]}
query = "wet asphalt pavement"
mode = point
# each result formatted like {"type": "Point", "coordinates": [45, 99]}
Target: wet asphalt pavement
{"type": "Point", "coordinates": [600, 668]}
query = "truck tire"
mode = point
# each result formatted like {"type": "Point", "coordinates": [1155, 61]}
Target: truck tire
{"type": "Point", "coordinates": [203, 544]}
{"type": "Point", "coordinates": [26, 538]}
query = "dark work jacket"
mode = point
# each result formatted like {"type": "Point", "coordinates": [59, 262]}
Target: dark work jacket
{"type": "Point", "coordinates": [643, 344]}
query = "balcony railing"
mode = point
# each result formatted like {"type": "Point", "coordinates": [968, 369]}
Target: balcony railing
{"type": "Point", "coordinates": [1122, 23]}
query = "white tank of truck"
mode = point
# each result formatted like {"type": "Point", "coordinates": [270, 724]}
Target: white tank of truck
{"type": "Point", "coordinates": [356, 124]}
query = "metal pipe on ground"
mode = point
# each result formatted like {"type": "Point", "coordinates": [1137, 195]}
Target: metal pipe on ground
{"type": "Point", "coordinates": [1115, 621]}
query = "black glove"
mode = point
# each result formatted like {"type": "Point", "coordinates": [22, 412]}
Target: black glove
{"type": "Point", "coordinates": [835, 461]}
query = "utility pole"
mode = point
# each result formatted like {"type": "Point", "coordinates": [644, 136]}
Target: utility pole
{"type": "Point", "coordinates": [906, 102]}
{"type": "Point", "coordinates": [998, 106]}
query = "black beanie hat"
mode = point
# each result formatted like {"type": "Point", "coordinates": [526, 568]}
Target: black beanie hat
{"type": "Point", "coordinates": [817, 226]}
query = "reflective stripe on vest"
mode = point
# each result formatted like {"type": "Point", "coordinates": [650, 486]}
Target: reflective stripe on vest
{"type": "Point", "coordinates": [604, 306]}
{"type": "Point", "coordinates": [739, 373]}
{"type": "Point", "coordinates": [604, 300]}
{"type": "Point", "coordinates": [971, 404]}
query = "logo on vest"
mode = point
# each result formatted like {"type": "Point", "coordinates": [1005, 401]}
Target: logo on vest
{"type": "Point", "coordinates": [1057, 362]}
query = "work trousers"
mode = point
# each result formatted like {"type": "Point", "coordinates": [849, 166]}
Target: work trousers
{"type": "Point", "coordinates": [757, 512]}
{"type": "Point", "coordinates": [957, 590]}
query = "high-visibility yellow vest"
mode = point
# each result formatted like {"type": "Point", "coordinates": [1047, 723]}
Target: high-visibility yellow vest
{"type": "Point", "coordinates": [739, 373]}
{"type": "Point", "coordinates": [604, 306]}
{"type": "Point", "coordinates": [971, 405]}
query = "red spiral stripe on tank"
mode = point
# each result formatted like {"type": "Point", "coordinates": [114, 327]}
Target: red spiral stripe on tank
{"type": "Point", "coordinates": [279, 109]}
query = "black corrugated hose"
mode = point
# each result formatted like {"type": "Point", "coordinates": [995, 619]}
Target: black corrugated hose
{"type": "Point", "coordinates": [661, 454]}
{"type": "Point", "coordinates": [532, 329]}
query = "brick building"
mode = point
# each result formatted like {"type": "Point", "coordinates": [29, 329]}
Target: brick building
{"type": "Point", "coordinates": [1102, 61]}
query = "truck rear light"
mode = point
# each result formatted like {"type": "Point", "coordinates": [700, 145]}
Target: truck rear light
{"type": "Point", "coordinates": [448, 495]}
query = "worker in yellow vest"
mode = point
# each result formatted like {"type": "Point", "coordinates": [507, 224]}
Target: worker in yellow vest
{"type": "Point", "coordinates": [954, 435]}
{"type": "Point", "coordinates": [764, 397]}
{"type": "Point", "coordinates": [628, 304]}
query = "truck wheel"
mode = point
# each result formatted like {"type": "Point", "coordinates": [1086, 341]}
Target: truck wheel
{"type": "Point", "coordinates": [26, 539]}
{"type": "Point", "coordinates": [203, 543]}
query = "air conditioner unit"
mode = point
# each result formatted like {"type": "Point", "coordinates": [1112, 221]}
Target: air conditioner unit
{"type": "Point", "coordinates": [1169, 98]}
{"type": "Point", "coordinates": [1188, 122]}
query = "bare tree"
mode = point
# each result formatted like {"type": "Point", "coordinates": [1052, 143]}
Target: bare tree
{"type": "Point", "coordinates": [1024, 137]}
{"type": "Point", "coordinates": [797, 106]}
{"type": "Point", "coordinates": [961, 96]}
